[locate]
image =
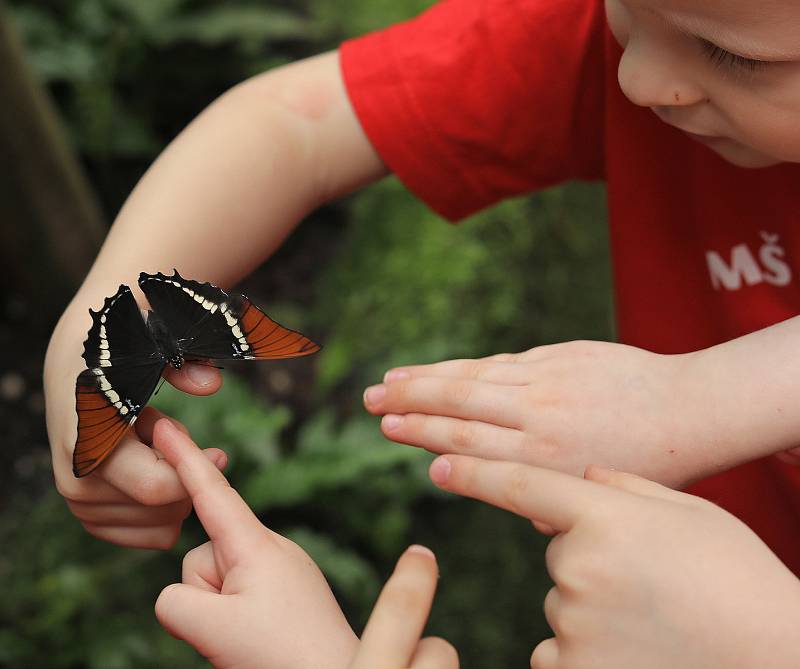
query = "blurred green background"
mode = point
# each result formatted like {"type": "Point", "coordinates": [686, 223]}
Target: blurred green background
{"type": "Point", "coordinates": [376, 278]}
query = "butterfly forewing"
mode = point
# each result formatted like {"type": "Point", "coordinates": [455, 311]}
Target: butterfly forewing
{"type": "Point", "coordinates": [207, 322]}
{"type": "Point", "coordinates": [123, 368]}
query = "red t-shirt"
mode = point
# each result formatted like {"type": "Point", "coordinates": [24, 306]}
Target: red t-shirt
{"type": "Point", "coordinates": [478, 100]}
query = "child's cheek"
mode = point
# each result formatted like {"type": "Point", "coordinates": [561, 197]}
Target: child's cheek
{"type": "Point", "coordinates": [618, 21]}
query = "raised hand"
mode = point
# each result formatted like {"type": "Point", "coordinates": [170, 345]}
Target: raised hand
{"type": "Point", "coordinates": [561, 406]}
{"type": "Point", "coordinates": [248, 597]}
{"type": "Point", "coordinates": [391, 639]}
{"type": "Point", "coordinates": [644, 576]}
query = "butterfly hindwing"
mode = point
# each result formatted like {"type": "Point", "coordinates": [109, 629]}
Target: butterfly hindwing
{"type": "Point", "coordinates": [123, 368]}
{"type": "Point", "coordinates": [207, 322]}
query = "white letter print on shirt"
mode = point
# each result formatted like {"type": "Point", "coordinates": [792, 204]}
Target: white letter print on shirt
{"type": "Point", "coordinates": [744, 269]}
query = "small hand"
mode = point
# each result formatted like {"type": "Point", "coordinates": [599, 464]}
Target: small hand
{"type": "Point", "coordinates": [248, 597]}
{"type": "Point", "coordinates": [561, 406]}
{"type": "Point", "coordinates": [391, 639]}
{"type": "Point", "coordinates": [644, 576]}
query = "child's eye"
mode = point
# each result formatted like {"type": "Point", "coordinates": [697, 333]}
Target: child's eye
{"type": "Point", "coordinates": [722, 58]}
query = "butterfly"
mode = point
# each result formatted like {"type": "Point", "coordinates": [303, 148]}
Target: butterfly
{"type": "Point", "coordinates": [126, 355]}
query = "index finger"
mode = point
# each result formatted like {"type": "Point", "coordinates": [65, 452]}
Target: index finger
{"type": "Point", "coordinates": [396, 623]}
{"type": "Point", "coordinates": [544, 495]}
{"type": "Point", "coordinates": [227, 519]}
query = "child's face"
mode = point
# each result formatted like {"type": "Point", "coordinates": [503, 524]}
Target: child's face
{"type": "Point", "coordinates": [726, 72]}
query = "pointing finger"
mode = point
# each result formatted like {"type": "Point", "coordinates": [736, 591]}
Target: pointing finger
{"type": "Point", "coordinates": [229, 522]}
{"type": "Point", "coordinates": [544, 495]}
{"type": "Point", "coordinates": [143, 475]}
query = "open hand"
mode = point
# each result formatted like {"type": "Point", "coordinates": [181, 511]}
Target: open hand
{"type": "Point", "coordinates": [562, 406]}
{"type": "Point", "coordinates": [644, 576]}
{"type": "Point", "coordinates": [248, 597]}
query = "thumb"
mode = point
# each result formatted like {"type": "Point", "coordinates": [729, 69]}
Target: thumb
{"type": "Point", "coordinates": [190, 613]}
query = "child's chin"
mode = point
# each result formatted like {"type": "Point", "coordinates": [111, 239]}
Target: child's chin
{"type": "Point", "coordinates": [745, 157]}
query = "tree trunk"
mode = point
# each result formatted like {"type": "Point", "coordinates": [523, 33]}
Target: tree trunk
{"type": "Point", "coordinates": [50, 223]}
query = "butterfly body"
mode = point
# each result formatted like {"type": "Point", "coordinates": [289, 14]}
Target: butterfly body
{"type": "Point", "coordinates": [168, 348]}
{"type": "Point", "coordinates": [126, 354]}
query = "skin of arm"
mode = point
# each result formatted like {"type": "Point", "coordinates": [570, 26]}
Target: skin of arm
{"type": "Point", "coordinates": [218, 201]}
{"type": "Point", "coordinates": [251, 598]}
{"type": "Point", "coordinates": [645, 576]}
{"type": "Point", "coordinates": [670, 418]}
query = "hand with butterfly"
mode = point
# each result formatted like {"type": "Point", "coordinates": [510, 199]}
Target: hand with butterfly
{"type": "Point", "coordinates": [645, 576]}
{"type": "Point", "coordinates": [564, 406]}
{"type": "Point", "coordinates": [135, 498]}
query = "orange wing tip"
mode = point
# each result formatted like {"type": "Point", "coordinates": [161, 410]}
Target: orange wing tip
{"type": "Point", "coordinates": [83, 466]}
{"type": "Point", "coordinates": [100, 426]}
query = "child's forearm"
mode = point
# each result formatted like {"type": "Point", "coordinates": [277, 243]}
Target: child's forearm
{"type": "Point", "coordinates": [231, 187]}
{"type": "Point", "coordinates": [747, 391]}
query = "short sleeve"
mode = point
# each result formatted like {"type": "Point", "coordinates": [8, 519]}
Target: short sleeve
{"type": "Point", "coordinates": [475, 101]}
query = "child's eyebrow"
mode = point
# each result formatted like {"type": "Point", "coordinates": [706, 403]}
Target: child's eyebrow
{"type": "Point", "coordinates": [733, 42]}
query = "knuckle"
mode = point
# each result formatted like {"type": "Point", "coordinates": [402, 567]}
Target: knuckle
{"type": "Point", "coordinates": [473, 369]}
{"type": "Point", "coordinates": [73, 492]}
{"type": "Point", "coordinates": [149, 490]}
{"type": "Point", "coordinates": [166, 537]}
{"type": "Point", "coordinates": [191, 558]}
{"type": "Point", "coordinates": [165, 603]}
{"type": "Point", "coordinates": [406, 598]}
{"type": "Point", "coordinates": [517, 489]}
{"type": "Point", "coordinates": [460, 393]}
{"type": "Point", "coordinates": [463, 436]}
{"type": "Point", "coordinates": [537, 656]}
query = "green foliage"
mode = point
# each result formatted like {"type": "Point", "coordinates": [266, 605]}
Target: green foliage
{"type": "Point", "coordinates": [410, 289]}
{"type": "Point", "coordinates": [400, 286]}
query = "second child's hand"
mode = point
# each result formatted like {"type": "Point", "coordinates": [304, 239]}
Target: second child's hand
{"type": "Point", "coordinates": [561, 406]}
{"type": "Point", "coordinates": [248, 597]}
{"type": "Point", "coordinates": [644, 576]}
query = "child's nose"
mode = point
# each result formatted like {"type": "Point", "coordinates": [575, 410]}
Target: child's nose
{"type": "Point", "coordinates": [650, 75]}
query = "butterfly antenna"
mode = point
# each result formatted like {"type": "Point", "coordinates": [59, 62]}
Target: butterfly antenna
{"type": "Point", "coordinates": [159, 386]}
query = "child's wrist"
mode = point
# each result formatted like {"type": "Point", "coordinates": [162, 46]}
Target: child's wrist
{"type": "Point", "coordinates": [739, 422]}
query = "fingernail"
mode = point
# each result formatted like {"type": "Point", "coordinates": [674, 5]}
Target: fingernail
{"type": "Point", "coordinates": [391, 421]}
{"type": "Point", "coordinates": [201, 375]}
{"type": "Point", "coordinates": [395, 375]}
{"type": "Point", "coordinates": [440, 470]}
{"type": "Point", "coordinates": [374, 394]}
{"type": "Point", "coordinates": [221, 461]}
{"type": "Point", "coordinates": [421, 550]}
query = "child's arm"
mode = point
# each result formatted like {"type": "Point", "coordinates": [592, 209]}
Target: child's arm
{"type": "Point", "coordinates": [250, 598]}
{"type": "Point", "coordinates": [218, 201]}
{"type": "Point", "coordinates": [670, 418]}
{"type": "Point", "coordinates": [644, 576]}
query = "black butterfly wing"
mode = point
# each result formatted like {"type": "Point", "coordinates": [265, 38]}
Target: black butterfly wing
{"type": "Point", "coordinates": [123, 369]}
{"type": "Point", "coordinates": [207, 322]}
